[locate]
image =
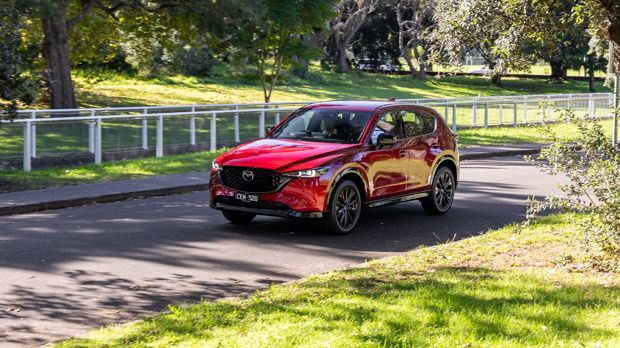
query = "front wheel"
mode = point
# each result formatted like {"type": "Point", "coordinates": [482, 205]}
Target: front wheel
{"type": "Point", "coordinates": [441, 196]}
{"type": "Point", "coordinates": [238, 217]}
{"type": "Point", "coordinates": [345, 208]}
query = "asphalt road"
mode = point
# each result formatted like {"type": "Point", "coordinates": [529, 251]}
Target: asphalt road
{"type": "Point", "coordinates": [65, 272]}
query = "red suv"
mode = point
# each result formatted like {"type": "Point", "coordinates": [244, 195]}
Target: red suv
{"type": "Point", "coordinates": [329, 160]}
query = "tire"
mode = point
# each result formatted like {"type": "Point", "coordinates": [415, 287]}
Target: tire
{"type": "Point", "coordinates": [237, 217]}
{"type": "Point", "coordinates": [344, 209]}
{"type": "Point", "coordinates": [441, 195]}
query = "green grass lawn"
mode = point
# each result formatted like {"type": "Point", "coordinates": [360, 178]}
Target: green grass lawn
{"type": "Point", "coordinates": [115, 90]}
{"type": "Point", "coordinates": [500, 289]}
{"type": "Point", "coordinates": [19, 180]}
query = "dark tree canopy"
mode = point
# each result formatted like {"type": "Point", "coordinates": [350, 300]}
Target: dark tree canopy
{"type": "Point", "coordinates": [14, 86]}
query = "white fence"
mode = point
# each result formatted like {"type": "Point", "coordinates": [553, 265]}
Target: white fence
{"type": "Point", "coordinates": [97, 130]}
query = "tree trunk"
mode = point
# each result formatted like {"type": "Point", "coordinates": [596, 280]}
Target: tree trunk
{"type": "Point", "coordinates": [189, 59]}
{"type": "Point", "coordinates": [591, 80]}
{"type": "Point", "coordinates": [422, 72]}
{"type": "Point", "coordinates": [496, 80]}
{"type": "Point", "coordinates": [56, 48]}
{"type": "Point", "coordinates": [342, 58]}
{"type": "Point", "coordinates": [556, 71]}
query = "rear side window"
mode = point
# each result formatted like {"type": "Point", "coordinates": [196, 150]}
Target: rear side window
{"type": "Point", "coordinates": [404, 124]}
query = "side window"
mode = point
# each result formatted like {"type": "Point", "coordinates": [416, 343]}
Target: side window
{"type": "Point", "coordinates": [429, 121]}
{"type": "Point", "coordinates": [416, 123]}
{"type": "Point", "coordinates": [389, 122]}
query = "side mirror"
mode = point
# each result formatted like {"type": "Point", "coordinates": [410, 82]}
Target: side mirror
{"type": "Point", "coordinates": [386, 139]}
{"type": "Point", "coordinates": [269, 129]}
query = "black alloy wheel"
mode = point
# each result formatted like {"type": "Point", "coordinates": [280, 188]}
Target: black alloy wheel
{"type": "Point", "coordinates": [441, 195]}
{"type": "Point", "coordinates": [345, 208]}
{"type": "Point", "coordinates": [238, 217]}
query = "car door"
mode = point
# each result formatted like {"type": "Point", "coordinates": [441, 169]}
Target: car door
{"type": "Point", "coordinates": [418, 127]}
{"type": "Point", "coordinates": [388, 166]}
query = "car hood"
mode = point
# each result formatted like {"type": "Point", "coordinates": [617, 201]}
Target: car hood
{"type": "Point", "coordinates": [283, 155]}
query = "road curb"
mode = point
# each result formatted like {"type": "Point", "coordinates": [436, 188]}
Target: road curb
{"type": "Point", "coordinates": [482, 155]}
{"type": "Point", "coordinates": [115, 197]}
{"type": "Point", "coordinates": [123, 196]}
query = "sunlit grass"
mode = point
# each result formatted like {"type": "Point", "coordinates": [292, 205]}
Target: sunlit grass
{"type": "Point", "coordinates": [124, 90]}
{"type": "Point", "coordinates": [120, 170]}
{"type": "Point", "coordinates": [501, 289]}
{"type": "Point", "coordinates": [519, 135]}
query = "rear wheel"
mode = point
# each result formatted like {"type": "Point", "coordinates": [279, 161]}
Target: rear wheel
{"type": "Point", "coordinates": [345, 208]}
{"type": "Point", "coordinates": [441, 196]}
{"type": "Point", "coordinates": [238, 217]}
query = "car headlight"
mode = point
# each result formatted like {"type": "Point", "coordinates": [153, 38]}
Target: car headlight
{"type": "Point", "coordinates": [307, 173]}
{"type": "Point", "coordinates": [215, 167]}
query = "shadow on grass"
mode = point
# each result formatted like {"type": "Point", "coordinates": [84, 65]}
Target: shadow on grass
{"type": "Point", "coordinates": [395, 308]}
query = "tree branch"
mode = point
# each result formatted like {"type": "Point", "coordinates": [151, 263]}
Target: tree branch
{"type": "Point", "coordinates": [72, 22]}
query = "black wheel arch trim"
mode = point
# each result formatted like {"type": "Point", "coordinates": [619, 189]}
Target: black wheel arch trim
{"type": "Point", "coordinates": [439, 163]}
{"type": "Point", "coordinates": [339, 176]}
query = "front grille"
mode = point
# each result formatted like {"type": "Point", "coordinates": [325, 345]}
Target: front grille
{"type": "Point", "coordinates": [255, 179]}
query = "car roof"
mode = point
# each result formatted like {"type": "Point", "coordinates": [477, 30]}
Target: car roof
{"type": "Point", "coordinates": [356, 105]}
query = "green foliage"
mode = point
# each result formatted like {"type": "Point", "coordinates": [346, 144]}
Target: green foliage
{"type": "Point", "coordinates": [109, 171]}
{"type": "Point", "coordinates": [14, 86]}
{"type": "Point", "coordinates": [493, 27]}
{"type": "Point", "coordinates": [592, 165]}
{"type": "Point", "coordinates": [273, 35]}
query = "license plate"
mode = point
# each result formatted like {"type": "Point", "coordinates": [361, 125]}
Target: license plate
{"type": "Point", "coordinates": [246, 197]}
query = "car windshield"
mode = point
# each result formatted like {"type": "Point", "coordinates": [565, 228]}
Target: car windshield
{"type": "Point", "coordinates": [323, 125]}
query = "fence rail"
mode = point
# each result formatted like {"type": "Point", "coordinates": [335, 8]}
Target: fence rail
{"type": "Point", "coordinates": [48, 133]}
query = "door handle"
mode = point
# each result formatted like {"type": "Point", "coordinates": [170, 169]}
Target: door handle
{"type": "Point", "coordinates": [402, 153]}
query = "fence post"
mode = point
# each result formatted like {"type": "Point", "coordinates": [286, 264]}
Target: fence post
{"type": "Point", "coordinates": [98, 139]}
{"type": "Point", "coordinates": [28, 146]}
{"type": "Point", "coordinates": [159, 149]}
{"type": "Point", "coordinates": [486, 115]}
{"type": "Point", "coordinates": [514, 124]}
{"type": "Point", "coordinates": [590, 106]}
{"type": "Point", "coordinates": [145, 130]}
{"type": "Point", "coordinates": [474, 111]}
{"type": "Point", "coordinates": [91, 133]}
{"type": "Point", "coordinates": [454, 117]}
{"type": "Point", "coordinates": [213, 132]}
{"type": "Point", "coordinates": [33, 150]}
{"type": "Point", "coordinates": [547, 109]}
{"type": "Point", "coordinates": [192, 127]}
{"type": "Point", "coordinates": [525, 110]}
{"type": "Point", "coordinates": [261, 124]}
{"type": "Point", "coordinates": [237, 124]}
{"type": "Point", "coordinates": [501, 107]}
{"type": "Point", "coordinates": [277, 115]}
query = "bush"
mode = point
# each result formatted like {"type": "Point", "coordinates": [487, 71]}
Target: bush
{"type": "Point", "coordinates": [592, 165]}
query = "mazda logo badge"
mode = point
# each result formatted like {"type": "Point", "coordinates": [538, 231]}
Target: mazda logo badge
{"type": "Point", "coordinates": [247, 175]}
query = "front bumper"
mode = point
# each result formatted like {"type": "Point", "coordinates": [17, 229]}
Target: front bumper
{"type": "Point", "coordinates": [302, 198]}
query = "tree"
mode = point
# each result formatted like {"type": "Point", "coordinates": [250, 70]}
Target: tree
{"type": "Point", "coordinates": [352, 15]}
{"type": "Point", "coordinates": [60, 18]}
{"type": "Point", "coordinates": [274, 35]}
{"type": "Point", "coordinates": [492, 27]}
{"type": "Point", "coordinates": [376, 38]}
{"type": "Point", "coordinates": [413, 18]}
{"type": "Point", "coordinates": [14, 86]}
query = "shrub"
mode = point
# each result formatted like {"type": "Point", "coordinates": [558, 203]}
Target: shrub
{"type": "Point", "coordinates": [592, 198]}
